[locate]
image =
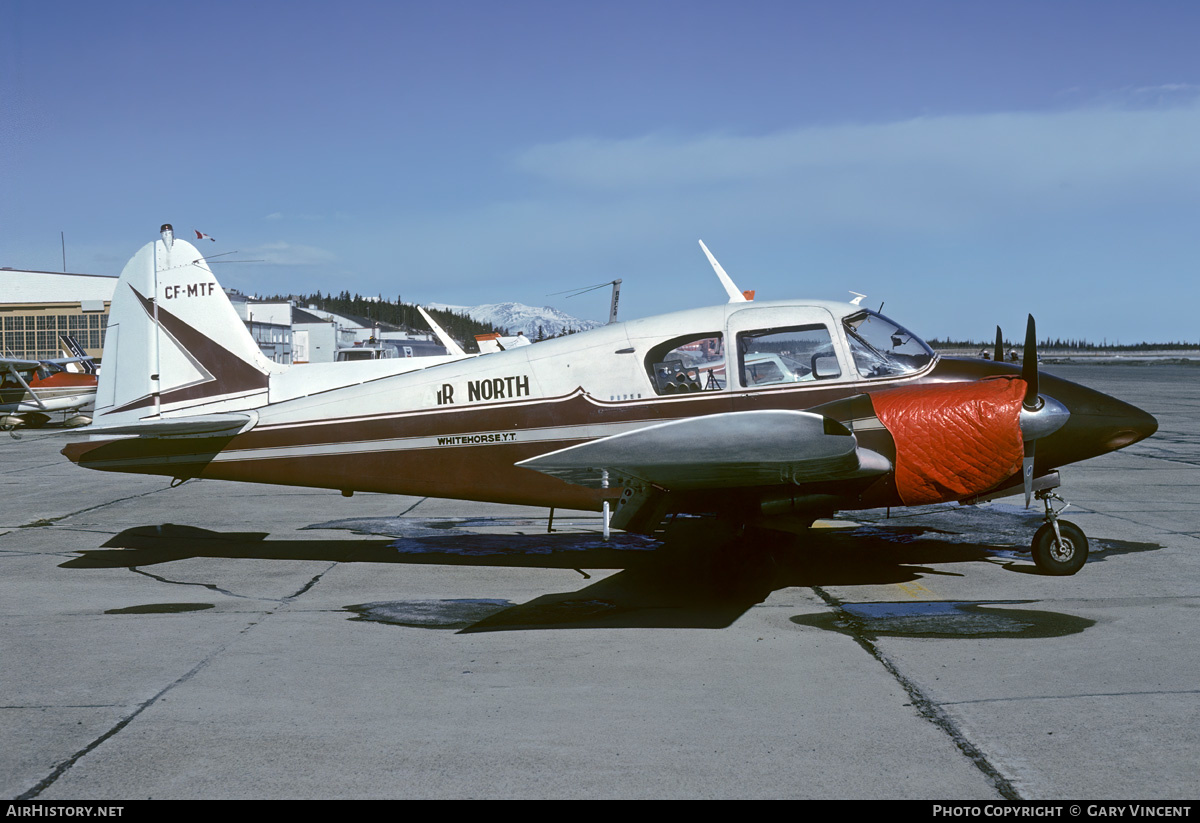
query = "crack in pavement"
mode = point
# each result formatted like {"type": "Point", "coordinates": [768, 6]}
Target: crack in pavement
{"type": "Point", "coordinates": [60, 769]}
{"type": "Point", "coordinates": [924, 705]}
{"type": "Point", "coordinates": [64, 766]}
{"type": "Point", "coordinates": [210, 586]}
{"type": "Point", "coordinates": [66, 706]}
{"type": "Point", "coordinates": [1085, 695]}
{"type": "Point", "coordinates": [50, 521]}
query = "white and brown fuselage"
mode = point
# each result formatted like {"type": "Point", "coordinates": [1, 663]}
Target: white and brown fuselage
{"type": "Point", "coordinates": [458, 430]}
{"type": "Point", "coordinates": [947, 430]}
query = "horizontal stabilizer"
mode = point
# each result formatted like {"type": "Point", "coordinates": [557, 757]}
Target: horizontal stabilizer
{"type": "Point", "coordinates": [736, 449]}
{"type": "Point", "coordinates": [201, 424]}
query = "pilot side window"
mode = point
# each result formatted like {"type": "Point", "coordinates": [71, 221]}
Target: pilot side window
{"type": "Point", "coordinates": [689, 363]}
{"type": "Point", "coordinates": [881, 348]}
{"type": "Point", "coordinates": [786, 355]}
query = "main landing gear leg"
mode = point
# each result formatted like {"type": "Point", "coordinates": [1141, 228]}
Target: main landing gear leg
{"type": "Point", "coordinates": [1059, 546]}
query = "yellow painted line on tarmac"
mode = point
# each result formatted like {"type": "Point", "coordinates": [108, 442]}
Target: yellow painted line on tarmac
{"type": "Point", "coordinates": [916, 591]}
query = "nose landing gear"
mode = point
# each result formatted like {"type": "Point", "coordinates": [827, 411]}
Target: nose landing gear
{"type": "Point", "coordinates": [1059, 547]}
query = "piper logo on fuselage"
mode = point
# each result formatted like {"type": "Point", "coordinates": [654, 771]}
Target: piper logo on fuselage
{"type": "Point", "coordinates": [489, 388]}
{"type": "Point", "coordinates": [190, 290]}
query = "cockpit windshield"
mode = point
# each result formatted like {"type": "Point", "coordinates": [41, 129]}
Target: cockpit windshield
{"type": "Point", "coordinates": [882, 348]}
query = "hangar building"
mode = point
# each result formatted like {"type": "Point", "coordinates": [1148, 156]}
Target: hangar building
{"type": "Point", "coordinates": [38, 306]}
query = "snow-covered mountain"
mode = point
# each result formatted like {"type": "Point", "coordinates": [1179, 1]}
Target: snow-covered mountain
{"type": "Point", "coordinates": [517, 317]}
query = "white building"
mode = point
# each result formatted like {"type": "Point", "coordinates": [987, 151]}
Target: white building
{"type": "Point", "coordinates": [36, 307]}
{"type": "Point", "coordinates": [269, 322]}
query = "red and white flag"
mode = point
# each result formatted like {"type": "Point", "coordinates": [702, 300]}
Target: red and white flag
{"type": "Point", "coordinates": [202, 236]}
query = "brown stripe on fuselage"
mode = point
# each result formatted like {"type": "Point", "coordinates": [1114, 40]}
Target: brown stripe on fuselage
{"type": "Point", "coordinates": [575, 409]}
{"type": "Point", "coordinates": [483, 472]}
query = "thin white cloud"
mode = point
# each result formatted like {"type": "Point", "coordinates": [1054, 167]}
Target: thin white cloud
{"type": "Point", "coordinates": [290, 254]}
{"type": "Point", "coordinates": [1187, 90]}
{"type": "Point", "coordinates": [1191, 88]}
{"type": "Point", "coordinates": [278, 215]}
{"type": "Point", "coordinates": [935, 171]}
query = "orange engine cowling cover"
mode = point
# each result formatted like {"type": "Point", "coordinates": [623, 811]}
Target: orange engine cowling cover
{"type": "Point", "coordinates": [953, 440]}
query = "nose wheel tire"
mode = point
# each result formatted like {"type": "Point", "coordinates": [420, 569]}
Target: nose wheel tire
{"type": "Point", "coordinates": [1060, 556]}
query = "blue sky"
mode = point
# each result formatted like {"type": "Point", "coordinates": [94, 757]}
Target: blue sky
{"type": "Point", "coordinates": [964, 162]}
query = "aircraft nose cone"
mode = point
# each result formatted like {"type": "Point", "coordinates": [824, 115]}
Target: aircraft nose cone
{"type": "Point", "coordinates": [1098, 424]}
{"type": "Point", "coordinates": [1128, 424]}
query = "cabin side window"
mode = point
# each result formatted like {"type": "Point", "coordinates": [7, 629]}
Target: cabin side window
{"type": "Point", "coordinates": [786, 355]}
{"type": "Point", "coordinates": [686, 364]}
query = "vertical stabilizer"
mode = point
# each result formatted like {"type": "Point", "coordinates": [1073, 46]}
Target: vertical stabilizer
{"type": "Point", "coordinates": [447, 341]}
{"type": "Point", "coordinates": [735, 295]}
{"type": "Point", "coordinates": [174, 341]}
{"type": "Point", "coordinates": [72, 348]}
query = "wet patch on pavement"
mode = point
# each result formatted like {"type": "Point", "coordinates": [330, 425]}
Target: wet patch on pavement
{"type": "Point", "coordinates": [1112, 548]}
{"type": "Point", "coordinates": [945, 620]}
{"type": "Point", "coordinates": [429, 526]}
{"type": "Point", "coordinates": [472, 544]}
{"type": "Point", "coordinates": [478, 536]}
{"type": "Point", "coordinates": [994, 524]}
{"type": "Point", "coordinates": [162, 608]}
{"type": "Point", "coordinates": [429, 614]}
{"type": "Point", "coordinates": [995, 529]}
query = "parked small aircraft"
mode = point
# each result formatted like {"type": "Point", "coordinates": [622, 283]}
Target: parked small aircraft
{"type": "Point", "coordinates": [32, 392]}
{"type": "Point", "coordinates": [767, 414]}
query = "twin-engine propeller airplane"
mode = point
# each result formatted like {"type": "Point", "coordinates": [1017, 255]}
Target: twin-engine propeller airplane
{"type": "Point", "coordinates": [767, 414]}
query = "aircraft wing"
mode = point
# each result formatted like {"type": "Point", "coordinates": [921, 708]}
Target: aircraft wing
{"type": "Point", "coordinates": [62, 361]}
{"type": "Point", "coordinates": [17, 364]}
{"type": "Point", "coordinates": [735, 449]}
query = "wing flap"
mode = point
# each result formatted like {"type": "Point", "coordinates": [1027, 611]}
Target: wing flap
{"type": "Point", "coordinates": [735, 449]}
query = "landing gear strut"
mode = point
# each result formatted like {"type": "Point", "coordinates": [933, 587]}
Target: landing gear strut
{"type": "Point", "coordinates": [1059, 546]}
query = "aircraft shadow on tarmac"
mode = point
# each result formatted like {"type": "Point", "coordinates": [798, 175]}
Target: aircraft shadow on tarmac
{"type": "Point", "coordinates": [697, 577]}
